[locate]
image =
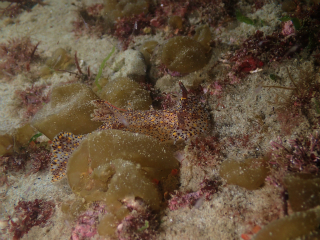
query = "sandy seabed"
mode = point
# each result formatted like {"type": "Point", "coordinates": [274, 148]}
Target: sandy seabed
{"type": "Point", "coordinates": [233, 210]}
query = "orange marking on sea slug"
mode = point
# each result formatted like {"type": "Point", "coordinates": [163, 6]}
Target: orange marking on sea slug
{"type": "Point", "coordinates": [174, 172]}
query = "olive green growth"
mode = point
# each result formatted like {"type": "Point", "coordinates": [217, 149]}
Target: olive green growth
{"type": "Point", "coordinates": [147, 49]}
{"type": "Point", "coordinates": [116, 9]}
{"type": "Point", "coordinates": [285, 18]}
{"type": "Point", "coordinates": [300, 225]}
{"type": "Point", "coordinates": [123, 170]}
{"type": "Point", "coordinates": [125, 93]}
{"type": "Point", "coordinates": [303, 191]}
{"type": "Point", "coordinates": [60, 60]}
{"type": "Point", "coordinates": [69, 110]}
{"type": "Point", "coordinates": [203, 36]}
{"type": "Point", "coordinates": [184, 54]}
{"type": "Point", "coordinates": [317, 105]}
{"type": "Point", "coordinates": [249, 173]}
{"type": "Point", "coordinates": [175, 22]}
{"type": "Point", "coordinates": [23, 136]}
{"type": "Point", "coordinates": [6, 144]}
{"type": "Point", "coordinates": [296, 23]}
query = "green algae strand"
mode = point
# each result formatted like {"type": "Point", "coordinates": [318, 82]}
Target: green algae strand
{"type": "Point", "coordinates": [101, 82]}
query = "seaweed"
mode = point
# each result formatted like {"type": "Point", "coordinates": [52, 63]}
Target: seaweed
{"type": "Point", "coordinates": [32, 99]}
{"type": "Point", "coordinates": [36, 155]}
{"type": "Point", "coordinates": [101, 68]}
{"type": "Point", "coordinates": [15, 162]}
{"type": "Point", "coordinates": [30, 214]}
{"type": "Point", "coordinates": [300, 33]}
{"type": "Point", "coordinates": [205, 152]}
{"type": "Point", "coordinates": [140, 223]}
{"type": "Point", "coordinates": [16, 7]}
{"type": "Point", "coordinates": [190, 199]}
{"type": "Point", "coordinates": [300, 101]}
{"type": "Point", "coordinates": [300, 155]}
{"type": "Point", "coordinates": [86, 223]}
{"type": "Point", "coordinates": [90, 21]}
{"type": "Point", "coordinates": [40, 156]}
{"type": "Point", "coordinates": [34, 137]}
{"type": "Point", "coordinates": [127, 27]}
{"type": "Point", "coordinates": [17, 54]}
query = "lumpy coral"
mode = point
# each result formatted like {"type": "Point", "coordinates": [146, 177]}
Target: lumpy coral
{"type": "Point", "coordinates": [23, 135]}
{"type": "Point", "coordinates": [203, 36]}
{"type": "Point", "coordinates": [121, 145]}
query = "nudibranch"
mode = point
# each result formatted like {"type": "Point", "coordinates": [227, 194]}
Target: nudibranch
{"type": "Point", "coordinates": [183, 122]}
{"type": "Point", "coordinates": [189, 118]}
{"type": "Point", "coordinates": [62, 147]}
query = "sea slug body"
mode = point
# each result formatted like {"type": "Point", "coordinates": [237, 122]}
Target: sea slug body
{"type": "Point", "coordinates": [62, 147]}
{"type": "Point", "coordinates": [183, 122]}
{"type": "Point", "coordinates": [188, 119]}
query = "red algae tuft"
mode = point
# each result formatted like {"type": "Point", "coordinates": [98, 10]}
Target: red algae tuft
{"type": "Point", "coordinates": [190, 199]}
{"type": "Point", "coordinates": [300, 156]}
{"type": "Point", "coordinates": [16, 7]}
{"type": "Point", "coordinates": [17, 54]}
{"type": "Point", "coordinates": [30, 214]}
{"type": "Point", "coordinates": [33, 99]}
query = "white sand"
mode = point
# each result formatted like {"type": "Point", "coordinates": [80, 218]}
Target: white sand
{"type": "Point", "coordinates": [233, 210]}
